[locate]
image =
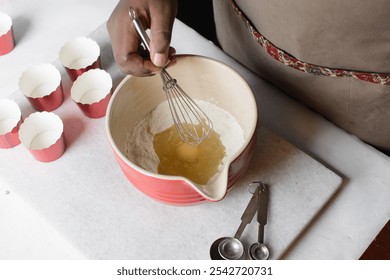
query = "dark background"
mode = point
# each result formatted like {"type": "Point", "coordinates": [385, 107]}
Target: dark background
{"type": "Point", "coordinates": [198, 15]}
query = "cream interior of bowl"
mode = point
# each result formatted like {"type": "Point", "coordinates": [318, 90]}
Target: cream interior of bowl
{"type": "Point", "coordinates": [202, 78]}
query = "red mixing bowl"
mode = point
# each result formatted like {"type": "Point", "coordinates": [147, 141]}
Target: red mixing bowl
{"type": "Point", "coordinates": [204, 79]}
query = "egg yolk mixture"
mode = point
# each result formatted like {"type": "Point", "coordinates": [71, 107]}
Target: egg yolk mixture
{"type": "Point", "coordinates": [196, 162]}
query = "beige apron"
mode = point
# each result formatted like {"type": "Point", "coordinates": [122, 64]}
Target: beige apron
{"type": "Point", "coordinates": [333, 55]}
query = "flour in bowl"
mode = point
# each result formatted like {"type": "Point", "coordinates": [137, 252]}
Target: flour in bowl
{"type": "Point", "coordinates": [139, 145]}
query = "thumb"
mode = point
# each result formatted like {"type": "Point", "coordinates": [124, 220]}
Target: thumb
{"type": "Point", "coordinates": [161, 32]}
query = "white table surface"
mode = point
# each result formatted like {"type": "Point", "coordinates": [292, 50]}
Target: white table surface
{"type": "Point", "coordinates": [342, 230]}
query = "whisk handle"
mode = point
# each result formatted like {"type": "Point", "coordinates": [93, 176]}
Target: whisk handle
{"type": "Point", "coordinates": [139, 28]}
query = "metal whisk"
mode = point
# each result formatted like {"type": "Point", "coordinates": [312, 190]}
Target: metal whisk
{"type": "Point", "coordinates": [192, 124]}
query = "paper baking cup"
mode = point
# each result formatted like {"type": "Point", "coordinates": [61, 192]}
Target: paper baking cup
{"type": "Point", "coordinates": [7, 41]}
{"type": "Point", "coordinates": [10, 120]}
{"type": "Point", "coordinates": [42, 133]}
{"type": "Point", "coordinates": [42, 86]}
{"type": "Point", "coordinates": [92, 91]}
{"type": "Point", "coordinates": [80, 55]}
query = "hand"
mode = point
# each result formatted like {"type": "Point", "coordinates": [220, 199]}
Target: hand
{"type": "Point", "coordinates": [158, 15]}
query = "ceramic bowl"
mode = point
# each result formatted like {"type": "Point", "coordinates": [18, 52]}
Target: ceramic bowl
{"type": "Point", "coordinates": [205, 79]}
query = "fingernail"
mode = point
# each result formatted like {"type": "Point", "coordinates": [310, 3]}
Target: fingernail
{"type": "Point", "coordinates": [159, 59]}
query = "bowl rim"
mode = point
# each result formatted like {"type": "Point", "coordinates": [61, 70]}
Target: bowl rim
{"type": "Point", "coordinates": [228, 162]}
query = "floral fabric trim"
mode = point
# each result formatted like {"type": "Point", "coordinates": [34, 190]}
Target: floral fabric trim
{"type": "Point", "coordinates": [288, 60]}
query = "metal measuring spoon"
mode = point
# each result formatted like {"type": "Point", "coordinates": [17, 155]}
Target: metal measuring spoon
{"type": "Point", "coordinates": [231, 248]}
{"type": "Point", "coordinates": [258, 251]}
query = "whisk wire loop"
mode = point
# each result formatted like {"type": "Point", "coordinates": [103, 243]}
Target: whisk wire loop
{"type": "Point", "coordinates": [191, 122]}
